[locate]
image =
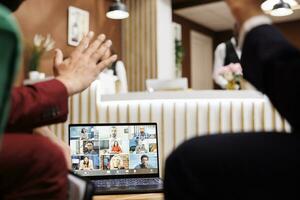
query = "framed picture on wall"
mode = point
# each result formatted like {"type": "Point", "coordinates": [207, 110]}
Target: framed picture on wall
{"type": "Point", "coordinates": [78, 25]}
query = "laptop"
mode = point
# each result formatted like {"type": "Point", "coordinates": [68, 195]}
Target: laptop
{"type": "Point", "coordinates": [117, 158]}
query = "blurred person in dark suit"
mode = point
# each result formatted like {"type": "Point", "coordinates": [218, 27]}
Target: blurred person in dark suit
{"type": "Point", "coordinates": [248, 166]}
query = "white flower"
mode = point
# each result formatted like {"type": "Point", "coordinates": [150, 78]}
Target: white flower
{"type": "Point", "coordinates": [236, 68]}
{"type": "Point", "coordinates": [37, 40]}
{"type": "Point", "coordinates": [228, 75]}
{"type": "Point", "coordinates": [48, 43]}
{"type": "Point", "coordinates": [50, 46]}
{"type": "Point", "coordinates": [42, 43]}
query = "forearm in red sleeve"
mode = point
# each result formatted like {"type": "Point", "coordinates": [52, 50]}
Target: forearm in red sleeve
{"type": "Point", "coordinates": [37, 105]}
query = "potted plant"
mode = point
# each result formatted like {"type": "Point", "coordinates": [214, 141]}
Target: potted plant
{"type": "Point", "coordinates": [179, 54]}
{"type": "Point", "coordinates": [40, 46]}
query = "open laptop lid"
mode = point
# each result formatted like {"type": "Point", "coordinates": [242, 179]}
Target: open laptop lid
{"type": "Point", "coordinates": [114, 150]}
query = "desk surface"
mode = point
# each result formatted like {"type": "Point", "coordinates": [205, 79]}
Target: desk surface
{"type": "Point", "coordinates": [150, 196]}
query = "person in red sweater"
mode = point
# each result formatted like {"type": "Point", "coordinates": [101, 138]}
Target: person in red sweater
{"type": "Point", "coordinates": [33, 162]}
{"type": "Point", "coordinates": [116, 147]}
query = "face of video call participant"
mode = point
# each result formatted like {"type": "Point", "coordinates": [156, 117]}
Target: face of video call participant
{"type": "Point", "coordinates": [83, 131]}
{"type": "Point", "coordinates": [113, 132]}
{"type": "Point", "coordinates": [90, 147]}
{"type": "Point", "coordinates": [144, 161]}
{"type": "Point", "coordinates": [142, 130]}
{"type": "Point", "coordinates": [86, 160]}
{"type": "Point", "coordinates": [116, 144]}
{"type": "Point", "coordinates": [117, 163]}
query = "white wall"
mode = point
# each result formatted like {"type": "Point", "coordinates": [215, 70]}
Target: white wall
{"type": "Point", "coordinates": [165, 50]}
{"type": "Point", "coordinates": [201, 61]}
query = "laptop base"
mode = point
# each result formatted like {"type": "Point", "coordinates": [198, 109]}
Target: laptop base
{"type": "Point", "coordinates": [129, 189]}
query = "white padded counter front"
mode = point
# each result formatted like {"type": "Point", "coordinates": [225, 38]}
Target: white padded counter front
{"type": "Point", "coordinates": [180, 115]}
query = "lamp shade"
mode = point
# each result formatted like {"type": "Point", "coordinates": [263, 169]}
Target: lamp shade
{"type": "Point", "coordinates": [281, 9]}
{"type": "Point", "coordinates": [117, 10]}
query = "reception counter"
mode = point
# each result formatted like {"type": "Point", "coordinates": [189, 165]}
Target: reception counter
{"type": "Point", "coordinates": [180, 115]}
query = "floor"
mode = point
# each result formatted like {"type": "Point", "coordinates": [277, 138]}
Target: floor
{"type": "Point", "coordinates": [152, 196]}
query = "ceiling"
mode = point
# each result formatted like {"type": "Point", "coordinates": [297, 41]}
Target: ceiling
{"type": "Point", "coordinates": [215, 14]}
{"type": "Point", "coordinates": [177, 4]}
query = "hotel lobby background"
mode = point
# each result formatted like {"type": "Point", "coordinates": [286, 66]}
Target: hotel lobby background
{"type": "Point", "coordinates": [135, 40]}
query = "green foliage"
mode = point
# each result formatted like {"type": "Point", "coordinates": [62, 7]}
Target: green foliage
{"type": "Point", "coordinates": [179, 52]}
{"type": "Point", "coordinates": [179, 55]}
{"type": "Point", "coordinates": [35, 58]}
{"type": "Point", "coordinates": [40, 45]}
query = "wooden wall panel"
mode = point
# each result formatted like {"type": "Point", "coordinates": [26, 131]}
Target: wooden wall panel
{"type": "Point", "coordinates": [139, 43]}
{"type": "Point", "coordinates": [291, 30]}
{"type": "Point", "coordinates": [44, 16]}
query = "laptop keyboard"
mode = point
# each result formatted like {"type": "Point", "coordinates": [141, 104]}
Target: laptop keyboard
{"type": "Point", "coordinates": [127, 182]}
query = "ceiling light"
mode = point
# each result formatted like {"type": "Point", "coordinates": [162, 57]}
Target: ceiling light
{"type": "Point", "coordinates": [269, 4]}
{"type": "Point", "coordinates": [281, 9]}
{"type": "Point", "coordinates": [117, 10]}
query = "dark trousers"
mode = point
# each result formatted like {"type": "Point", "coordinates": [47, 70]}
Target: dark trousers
{"type": "Point", "coordinates": [235, 166]}
{"type": "Point", "coordinates": [32, 167]}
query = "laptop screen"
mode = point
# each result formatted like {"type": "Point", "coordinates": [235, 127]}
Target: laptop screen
{"type": "Point", "coordinates": [114, 149]}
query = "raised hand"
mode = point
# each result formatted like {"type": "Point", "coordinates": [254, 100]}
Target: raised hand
{"type": "Point", "coordinates": [82, 67]}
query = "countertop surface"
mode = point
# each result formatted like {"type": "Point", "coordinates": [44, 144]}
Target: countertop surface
{"type": "Point", "coordinates": [184, 95]}
{"type": "Point", "coordinates": [150, 196]}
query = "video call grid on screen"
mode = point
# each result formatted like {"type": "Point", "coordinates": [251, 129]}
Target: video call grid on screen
{"type": "Point", "coordinates": [102, 149]}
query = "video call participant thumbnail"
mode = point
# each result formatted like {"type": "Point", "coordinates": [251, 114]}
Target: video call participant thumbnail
{"type": "Point", "coordinates": [144, 163]}
{"type": "Point", "coordinates": [89, 148]}
{"type": "Point", "coordinates": [86, 164]}
{"type": "Point", "coordinates": [116, 149]}
{"type": "Point", "coordinates": [142, 135]}
{"type": "Point", "coordinates": [84, 134]}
